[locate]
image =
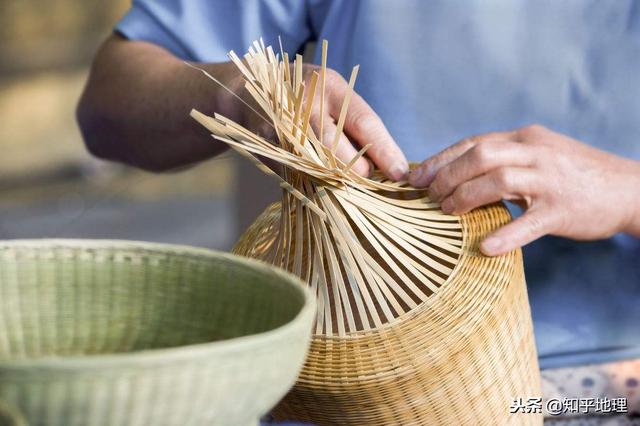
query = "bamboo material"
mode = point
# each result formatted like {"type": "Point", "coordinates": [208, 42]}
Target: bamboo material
{"type": "Point", "coordinates": [414, 325]}
{"type": "Point", "coordinates": [122, 333]}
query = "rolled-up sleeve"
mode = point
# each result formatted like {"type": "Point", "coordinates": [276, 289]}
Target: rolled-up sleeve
{"type": "Point", "coordinates": [202, 30]}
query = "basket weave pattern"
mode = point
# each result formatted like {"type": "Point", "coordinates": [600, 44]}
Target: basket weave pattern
{"type": "Point", "coordinates": [414, 325]}
{"type": "Point", "coordinates": [114, 333]}
{"type": "Point", "coordinates": [461, 357]}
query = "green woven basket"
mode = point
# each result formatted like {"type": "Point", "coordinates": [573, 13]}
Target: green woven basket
{"type": "Point", "coordinates": [114, 333]}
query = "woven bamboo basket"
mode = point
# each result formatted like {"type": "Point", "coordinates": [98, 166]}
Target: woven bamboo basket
{"type": "Point", "coordinates": [122, 333]}
{"type": "Point", "coordinates": [460, 357]}
{"type": "Point", "coordinates": [414, 325]}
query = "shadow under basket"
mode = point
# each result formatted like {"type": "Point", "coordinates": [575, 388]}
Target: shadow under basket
{"type": "Point", "coordinates": [462, 356]}
{"type": "Point", "coordinates": [114, 333]}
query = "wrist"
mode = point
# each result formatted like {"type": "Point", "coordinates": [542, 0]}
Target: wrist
{"type": "Point", "coordinates": [228, 101]}
{"type": "Point", "coordinates": [221, 95]}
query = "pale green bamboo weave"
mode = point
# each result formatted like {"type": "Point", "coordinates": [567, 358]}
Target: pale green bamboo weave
{"type": "Point", "coordinates": [115, 333]}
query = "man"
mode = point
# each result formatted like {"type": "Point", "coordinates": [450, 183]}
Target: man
{"type": "Point", "coordinates": [433, 72]}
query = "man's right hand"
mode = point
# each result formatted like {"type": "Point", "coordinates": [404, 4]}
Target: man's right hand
{"type": "Point", "coordinates": [135, 109]}
{"type": "Point", "coordinates": [362, 126]}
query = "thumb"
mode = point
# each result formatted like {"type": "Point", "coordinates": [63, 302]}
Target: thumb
{"type": "Point", "coordinates": [528, 227]}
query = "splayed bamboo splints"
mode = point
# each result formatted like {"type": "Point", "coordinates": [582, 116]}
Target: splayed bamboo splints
{"type": "Point", "coordinates": [413, 323]}
{"type": "Point", "coordinates": [356, 239]}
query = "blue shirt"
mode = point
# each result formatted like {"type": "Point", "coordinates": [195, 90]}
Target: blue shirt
{"type": "Point", "coordinates": [437, 71]}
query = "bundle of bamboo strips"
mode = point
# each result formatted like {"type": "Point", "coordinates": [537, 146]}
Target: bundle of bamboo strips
{"type": "Point", "coordinates": [412, 320]}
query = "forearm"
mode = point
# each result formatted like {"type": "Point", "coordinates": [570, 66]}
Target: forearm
{"type": "Point", "coordinates": [633, 222]}
{"type": "Point", "coordinates": [135, 107]}
{"type": "Point", "coordinates": [634, 226]}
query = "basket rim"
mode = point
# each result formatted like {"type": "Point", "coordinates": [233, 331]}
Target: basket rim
{"type": "Point", "coordinates": [149, 358]}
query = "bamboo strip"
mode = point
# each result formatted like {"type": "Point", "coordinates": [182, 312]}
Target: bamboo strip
{"type": "Point", "coordinates": [413, 325]}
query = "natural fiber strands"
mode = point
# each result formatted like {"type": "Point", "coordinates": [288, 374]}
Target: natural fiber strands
{"type": "Point", "coordinates": [461, 357]}
{"type": "Point", "coordinates": [104, 333]}
{"type": "Point", "coordinates": [371, 249]}
{"type": "Point", "coordinates": [414, 325]}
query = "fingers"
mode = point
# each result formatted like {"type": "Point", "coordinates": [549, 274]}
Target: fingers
{"type": "Point", "coordinates": [528, 227]}
{"type": "Point", "coordinates": [478, 160]}
{"type": "Point", "coordinates": [344, 150]}
{"type": "Point", "coordinates": [424, 174]}
{"type": "Point", "coordinates": [363, 126]}
{"type": "Point", "coordinates": [508, 183]}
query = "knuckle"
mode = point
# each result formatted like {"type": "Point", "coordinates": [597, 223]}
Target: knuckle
{"type": "Point", "coordinates": [532, 130]}
{"type": "Point", "coordinates": [493, 135]}
{"type": "Point", "coordinates": [503, 178]}
{"type": "Point", "coordinates": [328, 135]}
{"type": "Point", "coordinates": [307, 72]}
{"type": "Point", "coordinates": [535, 224]}
{"type": "Point", "coordinates": [481, 154]}
{"type": "Point", "coordinates": [364, 122]}
{"type": "Point", "coordinates": [467, 143]}
{"type": "Point", "coordinates": [333, 78]}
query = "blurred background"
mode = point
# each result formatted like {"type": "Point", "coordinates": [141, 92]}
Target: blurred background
{"type": "Point", "coordinates": [49, 184]}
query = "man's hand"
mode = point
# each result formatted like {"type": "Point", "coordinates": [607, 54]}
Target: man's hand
{"type": "Point", "coordinates": [135, 109]}
{"type": "Point", "coordinates": [568, 188]}
{"type": "Point", "coordinates": [362, 126]}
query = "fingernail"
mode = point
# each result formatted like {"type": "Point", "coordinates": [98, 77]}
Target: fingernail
{"type": "Point", "coordinates": [399, 170]}
{"type": "Point", "coordinates": [422, 176]}
{"type": "Point", "coordinates": [415, 175]}
{"type": "Point", "coordinates": [491, 246]}
{"type": "Point", "coordinates": [429, 175]}
{"type": "Point", "coordinates": [447, 206]}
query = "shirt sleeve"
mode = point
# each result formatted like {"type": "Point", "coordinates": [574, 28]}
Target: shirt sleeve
{"type": "Point", "coordinates": [205, 30]}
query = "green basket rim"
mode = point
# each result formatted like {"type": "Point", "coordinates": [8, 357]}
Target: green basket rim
{"type": "Point", "coordinates": [156, 357]}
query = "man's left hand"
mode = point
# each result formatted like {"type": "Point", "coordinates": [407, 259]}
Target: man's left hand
{"type": "Point", "coordinates": [567, 188]}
